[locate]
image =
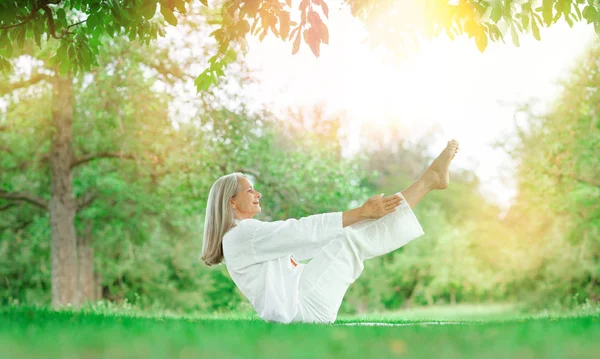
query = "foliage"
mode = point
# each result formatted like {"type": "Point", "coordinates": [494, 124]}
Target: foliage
{"type": "Point", "coordinates": [558, 208]}
{"type": "Point", "coordinates": [149, 194]}
{"type": "Point", "coordinates": [81, 26]}
{"type": "Point", "coordinates": [145, 222]}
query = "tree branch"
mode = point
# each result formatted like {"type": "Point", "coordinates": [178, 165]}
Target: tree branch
{"type": "Point", "coordinates": [75, 24]}
{"type": "Point", "coordinates": [34, 79]}
{"type": "Point", "coordinates": [7, 206]}
{"type": "Point", "coordinates": [588, 181]}
{"type": "Point", "coordinates": [4, 148]}
{"type": "Point", "coordinates": [87, 199]}
{"type": "Point", "coordinates": [90, 157]}
{"type": "Point", "coordinates": [31, 16]}
{"type": "Point", "coordinates": [27, 197]}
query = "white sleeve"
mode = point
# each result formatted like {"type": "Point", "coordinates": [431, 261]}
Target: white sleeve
{"type": "Point", "coordinates": [302, 237]}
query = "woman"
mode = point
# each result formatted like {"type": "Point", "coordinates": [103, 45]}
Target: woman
{"type": "Point", "coordinates": [262, 257]}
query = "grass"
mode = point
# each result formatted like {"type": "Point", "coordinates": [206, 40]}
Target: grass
{"type": "Point", "coordinates": [483, 332]}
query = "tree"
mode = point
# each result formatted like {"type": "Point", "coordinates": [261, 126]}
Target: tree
{"type": "Point", "coordinates": [143, 224]}
{"type": "Point", "coordinates": [557, 211]}
{"type": "Point", "coordinates": [62, 156]}
{"type": "Point", "coordinates": [81, 25]}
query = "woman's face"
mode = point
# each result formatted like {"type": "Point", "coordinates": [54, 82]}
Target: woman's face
{"type": "Point", "coordinates": [246, 202]}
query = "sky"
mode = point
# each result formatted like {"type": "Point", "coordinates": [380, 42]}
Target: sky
{"type": "Point", "coordinates": [445, 85]}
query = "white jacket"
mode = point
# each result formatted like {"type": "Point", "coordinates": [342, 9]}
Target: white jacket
{"type": "Point", "coordinates": [261, 258]}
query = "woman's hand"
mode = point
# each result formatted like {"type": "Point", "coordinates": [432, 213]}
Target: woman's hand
{"type": "Point", "coordinates": [379, 206]}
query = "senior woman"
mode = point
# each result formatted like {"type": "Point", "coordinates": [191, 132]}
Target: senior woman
{"type": "Point", "coordinates": [263, 258]}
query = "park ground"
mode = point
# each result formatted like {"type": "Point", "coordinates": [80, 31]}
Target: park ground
{"type": "Point", "coordinates": [443, 332]}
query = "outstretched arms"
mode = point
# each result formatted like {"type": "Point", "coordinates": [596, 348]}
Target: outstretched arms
{"type": "Point", "coordinates": [304, 237]}
{"type": "Point", "coordinates": [375, 207]}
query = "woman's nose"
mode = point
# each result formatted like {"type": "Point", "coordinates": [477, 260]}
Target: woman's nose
{"type": "Point", "coordinates": [258, 195]}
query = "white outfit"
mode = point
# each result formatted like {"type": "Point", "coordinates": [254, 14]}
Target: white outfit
{"type": "Point", "coordinates": [262, 259]}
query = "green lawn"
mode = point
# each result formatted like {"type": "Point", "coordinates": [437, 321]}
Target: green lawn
{"type": "Point", "coordinates": [461, 332]}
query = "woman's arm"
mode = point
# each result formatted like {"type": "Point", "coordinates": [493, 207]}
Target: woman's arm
{"type": "Point", "coordinates": [375, 207]}
{"type": "Point", "coordinates": [304, 237]}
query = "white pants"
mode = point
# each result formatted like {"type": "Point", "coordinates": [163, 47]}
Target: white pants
{"type": "Point", "coordinates": [325, 279]}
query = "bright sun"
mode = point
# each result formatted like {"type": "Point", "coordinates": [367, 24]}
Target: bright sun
{"type": "Point", "coordinates": [447, 85]}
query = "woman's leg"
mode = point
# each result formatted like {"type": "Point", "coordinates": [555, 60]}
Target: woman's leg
{"type": "Point", "coordinates": [435, 177]}
{"type": "Point", "coordinates": [325, 279]}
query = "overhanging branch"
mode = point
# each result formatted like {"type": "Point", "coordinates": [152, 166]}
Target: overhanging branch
{"type": "Point", "coordinates": [34, 79]}
{"type": "Point", "coordinates": [589, 181]}
{"type": "Point", "coordinates": [91, 157]}
{"type": "Point", "coordinates": [86, 200]}
{"type": "Point", "coordinates": [7, 206]}
{"type": "Point", "coordinates": [36, 8]}
{"type": "Point", "coordinates": [25, 197]}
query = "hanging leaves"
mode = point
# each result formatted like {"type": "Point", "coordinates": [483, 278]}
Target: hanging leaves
{"type": "Point", "coordinates": [20, 21]}
{"type": "Point", "coordinates": [168, 15]}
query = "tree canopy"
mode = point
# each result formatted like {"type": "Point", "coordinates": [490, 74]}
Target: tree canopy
{"type": "Point", "coordinates": [80, 25]}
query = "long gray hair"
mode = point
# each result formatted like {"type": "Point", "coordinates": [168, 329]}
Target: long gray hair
{"type": "Point", "coordinates": [219, 217]}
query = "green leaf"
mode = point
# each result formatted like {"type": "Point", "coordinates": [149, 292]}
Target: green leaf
{"type": "Point", "coordinates": [564, 6]}
{"type": "Point", "coordinates": [589, 13]}
{"type": "Point", "coordinates": [4, 39]}
{"type": "Point", "coordinates": [229, 57]}
{"type": "Point", "coordinates": [547, 11]}
{"type": "Point", "coordinates": [38, 30]}
{"type": "Point", "coordinates": [64, 67]}
{"type": "Point", "coordinates": [508, 10]}
{"type": "Point", "coordinates": [5, 65]}
{"type": "Point", "coordinates": [93, 20]}
{"type": "Point", "coordinates": [61, 17]}
{"type": "Point", "coordinates": [496, 14]}
{"type": "Point", "coordinates": [578, 12]}
{"type": "Point", "coordinates": [568, 20]}
{"type": "Point", "coordinates": [168, 15]}
{"type": "Point", "coordinates": [18, 35]}
{"type": "Point", "coordinates": [149, 10]}
{"type": "Point", "coordinates": [514, 35]}
{"type": "Point", "coordinates": [535, 29]}
{"type": "Point", "coordinates": [203, 81]}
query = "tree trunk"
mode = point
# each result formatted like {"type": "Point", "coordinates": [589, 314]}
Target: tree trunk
{"type": "Point", "coordinates": [87, 279]}
{"type": "Point", "coordinates": [62, 204]}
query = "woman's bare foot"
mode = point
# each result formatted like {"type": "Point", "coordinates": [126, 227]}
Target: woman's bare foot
{"type": "Point", "coordinates": [436, 176]}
